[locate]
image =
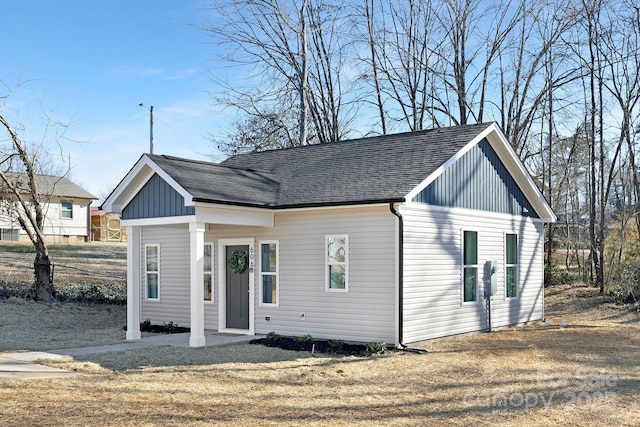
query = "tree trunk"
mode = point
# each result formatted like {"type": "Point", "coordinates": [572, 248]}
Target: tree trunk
{"type": "Point", "coordinates": [44, 289]}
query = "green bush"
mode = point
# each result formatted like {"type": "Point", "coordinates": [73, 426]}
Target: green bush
{"type": "Point", "coordinates": [272, 336]}
{"type": "Point", "coordinates": [376, 347]}
{"type": "Point", "coordinates": [145, 325]}
{"type": "Point", "coordinates": [171, 327]}
{"type": "Point", "coordinates": [554, 275]}
{"type": "Point", "coordinates": [336, 344]}
{"type": "Point", "coordinates": [627, 286]}
{"type": "Point", "coordinates": [87, 294]}
{"type": "Point", "coordinates": [304, 338]}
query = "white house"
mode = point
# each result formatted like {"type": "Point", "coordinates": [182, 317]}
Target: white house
{"type": "Point", "coordinates": [67, 209]}
{"type": "Point", "coordinates": [394, 238]}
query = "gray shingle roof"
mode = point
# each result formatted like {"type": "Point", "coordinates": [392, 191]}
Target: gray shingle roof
{"type": "Point", "coordinates": [49, 185]}
{"type": "Point", "coordinates": [367, 170]}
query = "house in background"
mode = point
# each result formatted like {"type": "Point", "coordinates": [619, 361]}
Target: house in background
{"type": "Point", "coordinates": [67, 209]}
{"type": "Point", "coordinates": [397, 238]}
{"type": "Point", "coordinates": [106, 227]}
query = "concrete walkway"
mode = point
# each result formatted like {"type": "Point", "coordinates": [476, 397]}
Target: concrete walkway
{"type": "Point", "coordinates": [21, 366]}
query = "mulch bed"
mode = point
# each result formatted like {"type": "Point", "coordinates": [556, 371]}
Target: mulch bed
{"type": "Point", "coordinates": [317, 346]}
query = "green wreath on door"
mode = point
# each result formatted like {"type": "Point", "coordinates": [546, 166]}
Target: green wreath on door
{"type": "Point", "coordinates": [238, 261]}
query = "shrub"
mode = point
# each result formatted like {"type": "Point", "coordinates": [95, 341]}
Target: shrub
{"type": "Point", "coordinates": [336, 344]}
{"type": "Point", "coordinates": [304, 339]}
{"type": "Point", "coordinates": [627, 288]}
{"type": "Point", "coordinates": [272, 336]}
{"type": "Point", "coordinates": [87, 294]}
{"type": "Point", "coordinates": [554, 275]}
{"type": "Point", "coordinates": [376, 347]}
{"type": "Point", "coordinates": [145, 325]}
{"type": "Point", "coordinates": [170, 326]}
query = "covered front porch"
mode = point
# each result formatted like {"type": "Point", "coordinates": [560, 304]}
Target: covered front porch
{"type": "Point", "coordinates": [206, 218]}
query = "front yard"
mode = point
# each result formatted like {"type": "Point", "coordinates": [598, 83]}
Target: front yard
{"type": "Point", "coordinates": [586, 372]}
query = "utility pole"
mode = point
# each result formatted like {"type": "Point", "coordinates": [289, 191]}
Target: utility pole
{"type": "Point", "coordinates": [150, 127]}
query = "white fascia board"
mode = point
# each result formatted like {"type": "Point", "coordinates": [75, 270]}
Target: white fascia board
{"type": "Point", "coordinates": [234, 215]}
{"type": "Point", "coordinates": [335, 207]}
{"type": "Point", "coordinates": [212, 214]}
{"type": "Point", "coordinates": [166, 220]}
{"type": "Point", "coordinates": [135, 179]}
{"type": "Point", "coordinates": [520, 174]}
{"type": "Point", "coordinates": [508, 156]}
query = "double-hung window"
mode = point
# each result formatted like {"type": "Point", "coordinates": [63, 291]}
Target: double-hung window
{"type": "Point", "coordinates": [152, 271]}
{"type": "Point", "coordinates": [470, 266]}
{"type": "Point", "coordinates": [269, 272]}
{"type": "Point", "coordinates": [511, 265]}
{"type": "Point", "coordinates": [66, 210]}
{"type": "Point", "coordinates": [337, 258]}
{"type": "Point", "coordinates": [207, 267]}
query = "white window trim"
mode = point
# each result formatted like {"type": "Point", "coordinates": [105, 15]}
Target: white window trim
{"type": "Point", "coordinates": [64, 210]}
{"type": "Point", "coordinates": [213, 288]}
{"type": "Point", "coordinates": [327, 279]}
{"type": "Point", "coordinates": [146, 272]}
{"type": "Point", "coordinates": [517, 266]}
{"type": "Point", "coordinates": [463, 266]}
{"type": "Point", "coordinates": [276, 274]}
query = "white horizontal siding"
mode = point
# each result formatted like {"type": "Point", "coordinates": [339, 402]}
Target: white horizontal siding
{"type": "Point", "coordinates": [432, 271]}
{"type": "Point", "coordinates": [57, 226]}
{"type": "Point", "coordinates": [174, 302]}
{"type": "Point", "coordinates": [54, 224]}
{"type": "Point", "coordinates": [366, 312]}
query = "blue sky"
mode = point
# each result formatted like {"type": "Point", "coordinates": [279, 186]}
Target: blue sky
{"type": "Point", "coordinates": [91, 63]}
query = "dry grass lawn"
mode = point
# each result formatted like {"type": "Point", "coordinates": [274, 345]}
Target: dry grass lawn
{"type": "Point", "coordinates": [586, 373]}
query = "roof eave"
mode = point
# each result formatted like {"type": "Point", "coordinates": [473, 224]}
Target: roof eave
{"type": "Point", "coordinates": [302, 205]}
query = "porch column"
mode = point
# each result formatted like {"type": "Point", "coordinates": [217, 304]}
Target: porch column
{"type": "Point", "coordinates": [133, 283]}
{"type": "Point", "coordinates": [196, 232]}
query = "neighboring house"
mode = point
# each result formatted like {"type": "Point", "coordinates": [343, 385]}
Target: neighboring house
{"type": "Point", "coordinates": [391, 238]}
{"type": "Point", "coordinates": [106, 227]}
{"type": "Point", "coordinates": [66, 207]}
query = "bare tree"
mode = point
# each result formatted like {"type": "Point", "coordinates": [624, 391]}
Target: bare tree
{"type": "Point", "coordinates": [288, 53]}
{"type": "Point", "coordinates": [620, 49]}
{"type": "Point", "coordinates": [374, 38]}
{"type": "Point", "coordinates": [526, 85]}
{"type": "Point", "coordinates": [402, 63]}
{"type": "Point", "coordinates": [22, 194]}
{"type": "Point", "coordinates": [258, 132]}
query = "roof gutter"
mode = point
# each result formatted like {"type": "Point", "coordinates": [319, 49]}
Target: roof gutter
{"type": "Point", "coordinates": [277, 207]}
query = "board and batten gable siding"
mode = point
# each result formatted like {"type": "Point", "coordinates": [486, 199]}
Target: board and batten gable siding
{"type": "Point", "coordinates": [478, 180]}
{"type": "Point", "coordinates": [433, 271]}
{"type": "Point", "coordinates": [366, 313]}
{"type": "Point", "coordinates": [156, 199]}
{"type": "Point", "coordinates": [174, 285]}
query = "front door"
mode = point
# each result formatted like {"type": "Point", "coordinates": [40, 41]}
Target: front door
{"type": "Point", "coordinates": [237, 286]}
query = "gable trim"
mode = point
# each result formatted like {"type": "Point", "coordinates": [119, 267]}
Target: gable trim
{"type": "Point", "coordinates": [135, 180]}
{"type": "Point", "coordinates": [512, 163]}
{"type": "Point", "coordinates": [425, 183]}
